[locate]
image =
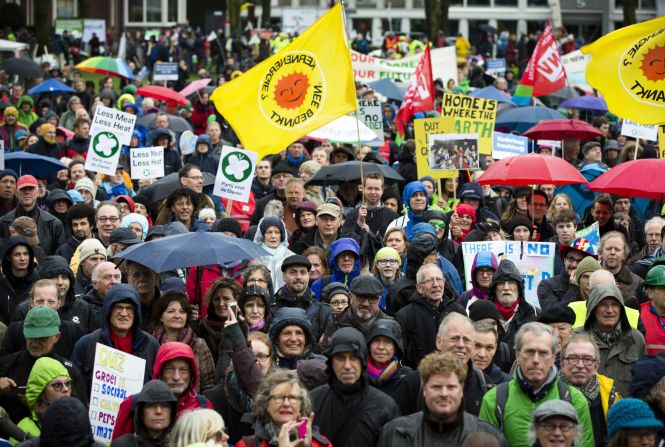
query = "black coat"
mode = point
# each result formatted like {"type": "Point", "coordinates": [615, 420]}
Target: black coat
{"type": "Point", "coordinates": [420, 324]}
{"type": "Point", "coordinates": [352, 418]}
{"type": "Point", "coordinates": [70, 332]}
{"type": "Point", "coordinates": [14, 290]}
{"type": "Point", "coordinates": [49, 228]}
{"type": "Point", "coordinates": [557, 290]}
{"type": "Point", "coordinates": [377, 219]}
{"type": "Point", "coordinates": [67, 249]}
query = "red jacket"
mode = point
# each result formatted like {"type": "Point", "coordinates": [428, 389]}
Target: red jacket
{"type": "Point", "coordinates": [209, 273]}
{"type": "Point", "coordinates": [124, 421]}
{"type": "Point", "coordinates": [200, 114]}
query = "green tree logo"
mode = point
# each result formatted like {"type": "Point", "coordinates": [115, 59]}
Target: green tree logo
{"type": "Point", "coordinates": [105, 144]}
{"type": "Point", "coordinates": [236, 167]}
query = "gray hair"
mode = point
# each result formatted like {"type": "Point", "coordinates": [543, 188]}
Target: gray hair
{"type": "Point", "coordinates": [274, 208]}
{"type": "Point", "coordinates": [538, 329]}
{"type": "Point", "coordinates": [423, 268]}
{"type": "Point", "coordinates": [533, 433]}
{"type": "Point", "coordinates": [194, 426]}
{"type": "Point", "coordinates": [654, 220]}
{"type": "Point", "coordinates": [610, 235]}
{"type": "Point", "coordinates": [264, 394]}
{"type": "Point", "coordinates": [581, 338]}
{"type": "Point", "coordinates": [453, 316]}
{"type": "Point", "coordinates": [94, 276]}
{"type": "Point", "coordinates": [486, 328]}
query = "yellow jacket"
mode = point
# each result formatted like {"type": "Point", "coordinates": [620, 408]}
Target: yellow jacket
{"type": "Point", "coordinates": [579, 307]}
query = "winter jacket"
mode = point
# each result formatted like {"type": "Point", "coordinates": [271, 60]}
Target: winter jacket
{"type": "Point", "coordinates": [273, 261]}
{"type": "Point", "coordinates": [144, 345]}
{"type": "Point", "coordinates": [525, 313]}
{"type": "Point", "coordinates": [74, 309]}
{"type": "Point", "coordinates": [292, 316]}
{"type": "Point", "coordinates": [377, 219]}
{"type": "Point", "coordinates": [154, 392]}
{"type": "Point", "coordinates": [44, 148]}
{"type": "Point", "coordinates": [200, 114]}
{"type": "Point", "coordinates": [29, 117]}
{"type": "Point", "coordinates": [205, 161]}
{"type": "Point", "coordinates": [337, 247]}
{"type": "Point", "coordinates": [616, 361]}
{"type": "Point", "coordinates": [407, 165]}
{"type": "Point", "coordinates": [401, 290]}
{"type": "Point", "coordinates": [7, 134]}
{"type": "Point", "coordinates": [70, 333]}
{"type": "Point", "coordinates": [420, 324]}
{"type": "Point", "coordinates": [557, 290]}
{"type": "Point", "coordinates": [318, 313]}
{"type": "Point", "coordinates": [261, 438]}
{"type": "Point", "coordinates": [76, 146]}
{"type": "Point", "coordinates": [517, 412]}
{"type": "Point", "coordinates": [483, 259]}
{"type": "Point", "coordinates": [627, 282]}
{"type": "Point", "coordinates": [407, 221]}
{"type": "Point", "coordinates": [406, 431]}
{"type": "Point", "coordinates": [208, 275]}
{"type": "Point", "coordinates": [172, 162]}
{"type": "Point", "coordinates": [67, 249]}
{"type": "Point", "coordinates": [96, 304]}
{"type": "Point", "coordinates": [14, 290]}
{"type": "Point", "coordinates": [124, 422]}
{"type": "Point", "coordinates": [49, 229]}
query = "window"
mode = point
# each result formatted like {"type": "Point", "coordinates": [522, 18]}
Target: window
{"type": "Point", "coordinates": [537, 3]}
{"type": "Point", "coordinates": [66, 9]}
{"type": "Point", "coordinates": [152, 11]}
{"type": "Point", "coordinates": [505, 2]}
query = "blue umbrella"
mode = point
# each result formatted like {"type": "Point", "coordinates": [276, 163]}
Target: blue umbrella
{"type": "Point", "coordinates": [522, 119]}
{"type": "Point", "coordinates": [191, 249]}
{"type": "Point", "coordinates": [51, 85]}
{"type": "Point", "coordinates": [590, 103]}
{"type": "Point", "coordinates": [580, 195]}
{"type": "Point", "coordinates": [26, 163]}
{"type": "Point", "coordinates": [491, 92]}
{"type": "Point", "coordinates": [388, 88]}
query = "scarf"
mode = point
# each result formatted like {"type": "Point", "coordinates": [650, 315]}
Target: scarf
{"type": "Point", "coordinates": [590, 389]}
{"type": "Point", "coordinates": [272, 432]}
{"type": "Point", "coordinates": [185, 335]}
{"type": "Point", "coordinates": [506, 312]}
{"type": "Point", "coordinates": [258, 325]}
{"type": "Point", "coordinates": [536, 394]}
{"type": "Point", "coordinates": [481, 294]}
{"type": "Point", "coordinates": [610, 338]}
{"type": "Point", "coordinates": [124, 344]}
{"type": "Point", "coordinates": [380, 375]}
{"type": "Point", "coordinates": [293, 160]}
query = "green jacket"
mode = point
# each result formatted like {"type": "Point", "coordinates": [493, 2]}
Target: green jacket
{"type": "Point", "coordinates": [517, 413]}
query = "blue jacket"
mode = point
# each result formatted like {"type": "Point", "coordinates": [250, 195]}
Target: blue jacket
{"type": "Point", "coordinates": [337, 247]}
{"type": "Point", "coordinates": [409, 190]}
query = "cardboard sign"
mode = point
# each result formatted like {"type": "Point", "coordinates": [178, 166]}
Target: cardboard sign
{"type": "Point", "coordinates": [116, 375]}
{"type": "Point", "coordinates": [235, 174]}
{"type": "Point", "coordinates": [471, 115]}
{"type": "Point", "coordinates": [147, 162]}
{"type": "Point", "coordinates": [534, 259]}
{"type": "Point", "coordinates": [452, 151]}
{"type": "Point", "coordinates": [371, 113]}
{"type": "Point", "coordinates": [165, 72]}
{"type": "Point", "coordinates": [109, 131]}
{"type": "Point", "coordinates": [508, 145]}
{"type": "Point", "coordinates": [636, 130]}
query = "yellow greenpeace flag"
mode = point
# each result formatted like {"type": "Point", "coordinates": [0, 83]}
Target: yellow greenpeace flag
{"type": "Point", "coordinates": [303, 87]}
{"type": "Point", "coordinates": [628, 67]}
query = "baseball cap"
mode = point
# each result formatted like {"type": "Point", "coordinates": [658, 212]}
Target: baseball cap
{"type": "Point", "coordinates": [26, 181]}
{"type": "Point", "coordinates": [123, 235]}
{"type": "Point", "coordinates": [329, 209]}
{"type": "Point", "coordinates": [555, 407]}
{"type": "Point", "coordinates": [41, 321]}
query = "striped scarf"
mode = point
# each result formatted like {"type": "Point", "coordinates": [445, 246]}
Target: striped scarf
{"type": "Point", "coordinates": [378, 375]}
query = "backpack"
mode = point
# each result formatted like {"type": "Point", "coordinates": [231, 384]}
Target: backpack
{"type": "Point", "coordinates": [502, 398]}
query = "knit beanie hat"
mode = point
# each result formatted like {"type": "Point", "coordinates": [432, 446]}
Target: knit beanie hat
{"type": "Point", "coordinates": [43, 371]}
{"type": "Point", "coordinates": [228, 224]}
{"type": "Point", "coordinates": [11, 110]}
{"type": "Point", "coordinates": [387, 253]}
{"type": "Point", "coordinates": [86, 184]}
{"type": "Point", "coordinates": [463, 208]}
{"type": "Point", "coordinates": [587, 264]}
{"type": "Point", "coordinates": [272, 222]}
{"type": "Point", "coordinates": [519, 220]}
{"type": "Point", "coordinates": [44, 128]}
{"type": "Point", "coordinates": [630, 413]}
{"type": "Point", "coordinates": [91, 247]}
{"type": "Point", "coordinates": [481, 309]}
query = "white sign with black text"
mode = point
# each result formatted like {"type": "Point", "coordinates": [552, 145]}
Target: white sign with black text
{"type": "Point", "coordinates": [147, 162]}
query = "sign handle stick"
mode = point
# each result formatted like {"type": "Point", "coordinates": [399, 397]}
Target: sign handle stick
{"type": "Point", "coordinates": [440, 188]}
{"type": "Point", "coordinates": [355, 113]}
{"type": "Point", "coordinates": [229, 206]}
{"type": "Point", "coordinates": [637, 148]}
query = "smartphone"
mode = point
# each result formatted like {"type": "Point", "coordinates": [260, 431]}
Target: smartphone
{"type": "Point", "coordinates": [233, 307]}
{"type": "Point", "coordinates": [302, 429]}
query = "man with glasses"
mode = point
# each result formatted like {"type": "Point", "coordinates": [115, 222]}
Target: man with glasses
{"type": "Point", "coordinates": [537, 202]}
{"type": "Point", "coordinates": [105, 275]}
{"type": "Point", "coordinates": [555, 424]}
{"type": "Point", "coordinates": [191, 177]}
{"type": "Point", "coordinates": [107, 220]}
{"type": "Point", "coordinates": [421, 317]}
{"type": "Point", "coordinates": [363, 310]}
{"type": "Point", "coordinates": [559, 289]}
{"type": "Point", "coordinates": [579, 367]}
{"type": "Point", "coordinates": [508, 406]}
{"type": "Point", "coordinates": [49, 228]}
{"type": "Point", "coordinates": [121, 329]}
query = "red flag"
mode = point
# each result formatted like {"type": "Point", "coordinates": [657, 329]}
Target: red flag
{"type": "Point", "coordinates": [545, 73]}
{"type": "Point", "coordinates": [419, 96]}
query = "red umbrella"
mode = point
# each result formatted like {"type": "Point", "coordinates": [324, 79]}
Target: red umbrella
{"type": "Point", "coordinates": [531, 169]}
{"type": "Point", "coordinates": [560, 129]}
{"type": "Point", "coordinates": [161, 93]}
{"type": "Point", "coordinates": [636, 178]}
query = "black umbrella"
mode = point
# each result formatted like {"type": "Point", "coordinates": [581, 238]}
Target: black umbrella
{"type": "Point", "coordinates": [351, 171]}
{"type": "Point", "coordinates": [176, 123]}
{"type": "Point", "coordinates": [22, 67]}
{"type": "Point", "coordinates": [166, 185]}
{"type": "Point", "coordinates": [489, 29]}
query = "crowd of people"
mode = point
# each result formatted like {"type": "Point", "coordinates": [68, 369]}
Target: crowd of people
{"type": "Point", "coordinates": [360, 327]}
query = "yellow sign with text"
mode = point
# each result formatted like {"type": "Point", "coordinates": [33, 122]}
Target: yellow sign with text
{"type": "Point", "coordinates": [471, 115]}
{"type": "Point", "coordinates": [422, 129]}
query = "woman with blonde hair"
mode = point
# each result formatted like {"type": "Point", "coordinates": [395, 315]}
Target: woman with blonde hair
{"type": "Point", "coordinates": [560, 202]}
{"type": "Point", "coordinates": [200, 427]}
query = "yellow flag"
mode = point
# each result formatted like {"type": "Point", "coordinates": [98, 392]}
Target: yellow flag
{"type": "Point", "coordinates": [306, 85]}
{"type": "Point", "coordinates": [628, 67]}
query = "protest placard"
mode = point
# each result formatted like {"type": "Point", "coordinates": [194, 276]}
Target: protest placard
{"type": "Point", "coordinates": [370, 113]}
{"type": "Point", "coordinates": [165, 72]}
{"type": "Point", "coordinates": [636, 130]}
{"type": "Point", "coordinates": [574, 64]}
{"type": "Point", "coordinates": [368, 68]}
{"type": "Point", "coordinates": [508, 145]}
{"type": "Point", "coordinates": [147, 162]}
{"type": "Point", "coordinates": [116, 375]}
{"type": "Point", "coordinates": [235, 174]}
{"type": "Point", "coordinates": [422, 129]}
{"type": "Point", "coordinates": [592, 235]}
{"type": "Point", "coordinates": [110, 129]}
{"type": "Point", "coordinates": [452, 151]}
{"type": "Point", "coordinates": [495, 67]}
{"type": "Point", "coordinates": [534, 259]}
{"type": "Point", "coordinates": [2, 154]}
{"type": "Point", "coordinates": [471, 115]}
{"type": "Point", "coordinates": [297, 20]}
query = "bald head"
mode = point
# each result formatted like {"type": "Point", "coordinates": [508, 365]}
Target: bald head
{"type": "Point", "coordinates": [601, 277]}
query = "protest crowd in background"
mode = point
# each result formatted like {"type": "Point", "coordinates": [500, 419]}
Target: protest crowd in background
{"type": "Point", "coordinates": [387, 303]}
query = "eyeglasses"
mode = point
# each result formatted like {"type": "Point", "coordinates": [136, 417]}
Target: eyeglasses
{"type": "Point", "coordinates": [438, 226]}
{"type": "Point", "coordinates": [339, 303]}
{"type": "Point", "coordinates": [574, 360]}
{"type": "Point", "coordinates": [279, 400]}
{"type": "Point", "coordinates": [105, 219]}
{"type": "Point", "coordinates": [639, 434]}
{"type": "Point", "coordinates": [387, 262]}
{"type": "Point", "coordinates": [430, 282]}
{"type": "Point", "coordinates": [195, 177]}
{"type": "Point", "coordinates": [57, 386]}
{"type": "Point", "coordinates": [119, 308]}
{"type": "Point", "coordinates": [262, 357]}
{"type": "Point", "coordinates": [484, 271]}
{"type": "Point", "coordinates": [574, 259]}
{"type": "Point", "coordinates": [549, 427]}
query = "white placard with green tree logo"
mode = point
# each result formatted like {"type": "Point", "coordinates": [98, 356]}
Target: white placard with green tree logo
{"type": "Point", "coordinates": [235, 174]}
{"type": "Point", "coordinates": [109, 131]}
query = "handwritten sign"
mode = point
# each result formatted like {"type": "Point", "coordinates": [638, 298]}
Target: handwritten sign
{"type": "Point", "coordinates": [116, 375]}
{"type": "Point", "coordinates": [370, 113]}
{"type": "Point", "coordinates": [471, 115]}
{"type": "Point", "coordinates": [147, 162]}
{"type": "Point", "coordinates": [235, 174]}
{"type": "Point", "coordinates": [534, 259]}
